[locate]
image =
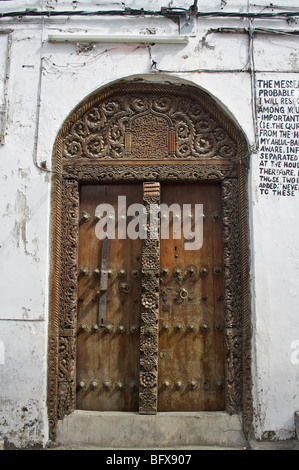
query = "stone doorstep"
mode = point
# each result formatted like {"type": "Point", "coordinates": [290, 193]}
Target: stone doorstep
{"type": "Point", "coordinates": [297, 423]}
{"type": "Point", "coordinates": [125, 430]}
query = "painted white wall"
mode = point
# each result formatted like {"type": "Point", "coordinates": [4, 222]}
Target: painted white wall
{"type": "Point", "coordinates": [45, 82]}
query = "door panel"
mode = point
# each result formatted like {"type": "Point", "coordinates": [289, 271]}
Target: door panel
{"type": "Point", "coordinates": [191, 315]}
{"type": "Point", "coordinates": [107, 354]}
{"type": "Point", "coordinates": [191, 346]}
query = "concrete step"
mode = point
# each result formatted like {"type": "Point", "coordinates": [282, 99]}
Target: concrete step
{"type": "Point", "coordinates": [164, 430]}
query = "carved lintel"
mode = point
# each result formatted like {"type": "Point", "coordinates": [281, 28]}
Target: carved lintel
{"type": "Point", "coordinates": [187, 171]}
{"type": "Point", "coordinates": [160, 123]}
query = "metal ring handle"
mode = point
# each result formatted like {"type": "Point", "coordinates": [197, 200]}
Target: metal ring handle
{"type": "Point", "coordinates": [184, 293]}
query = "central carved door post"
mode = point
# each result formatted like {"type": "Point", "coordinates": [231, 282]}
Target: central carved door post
{"type": "Point", "coordinates": [148, 391]}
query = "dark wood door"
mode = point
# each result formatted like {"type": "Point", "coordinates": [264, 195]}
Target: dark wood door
{"type": "Point", "coordinates": [191, 344]}
{"type": "Point", "coordinates": [108, 315]}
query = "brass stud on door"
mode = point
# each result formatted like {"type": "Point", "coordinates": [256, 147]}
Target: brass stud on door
{"type": "Point", "coordinates": [107, 385]}
{"type": "Point", "coordinates": [191, 327]}
{"type": "Point", "coordinates": [97, 217]}
{"type": "Point", "coordinates": [82, 384]}
{"type": "Point", "coordinates": [97, 272]}
{"type": "Point", "coordinates": [165, 272]}
{"type": "Point", "coordinates": [193, 384]}
{"type": "Point", "coordinates": [204, 270]}
{"type": "Point", "coordinates": [133, 329]}
{"type": "Point", "coordinates": [83, 327]}
{"type": "Point", "coordinates": [178, 272]}
{"type": "Point", "coordinates": [84, 272]}
{"type": "Point", "coordinates": [178, 327]}
{"type": "Point", "coordinates": [121, 329]}
{"type": "Point", "coordinates": [204, 327]}
{"type": "Point", "coordinates": [217, 270]}
{"type": "Point", "coordinates": [94, 384]}
{"type": "Point", "coordinates": [120, 385]}
{"type": "Point", "coordinates": [178, 385]}
{"type": "Point", "coordinates": [166, 384]}
{"type": "Point", "coordinates": [108, 328]}
{"type": "Point", "coordinates": [191, 271]}
{"type": "Point", "coordinates": [85, 216]}
{"type": "Point", "coordinates": [216, 215]}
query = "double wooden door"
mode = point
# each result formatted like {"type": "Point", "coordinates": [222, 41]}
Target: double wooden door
{"type": "Point", "coordinates": [191, 311]}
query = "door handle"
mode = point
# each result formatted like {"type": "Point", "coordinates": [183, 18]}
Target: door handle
{"type": "Point", "coordinates": [184, 293]}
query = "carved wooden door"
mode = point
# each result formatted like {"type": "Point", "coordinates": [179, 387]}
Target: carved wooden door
{"type": "Point", "coordinates": [111, 337]}
{"type": "Point", "coordinates": [108, 305]}
{"type": "Point", "coordinates": [191, 343]}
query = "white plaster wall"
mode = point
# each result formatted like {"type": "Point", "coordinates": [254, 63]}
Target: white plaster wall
{"type": "Point", "coordinates": [38, 104]}
{"type": "Point", "coordinates": [24, 222]}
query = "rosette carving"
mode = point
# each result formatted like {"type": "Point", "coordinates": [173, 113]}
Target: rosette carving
{"type": "Point", "coordinates": [154, 126]}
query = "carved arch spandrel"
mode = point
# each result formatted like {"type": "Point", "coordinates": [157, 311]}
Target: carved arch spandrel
{"type": "Point", "coordinates": [229, 168]}
{"type": "Point", "coordinates": [150, 121]}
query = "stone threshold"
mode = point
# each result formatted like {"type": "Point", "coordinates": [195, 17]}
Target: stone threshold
{"type": "Point", "coordinates": [164, 430]}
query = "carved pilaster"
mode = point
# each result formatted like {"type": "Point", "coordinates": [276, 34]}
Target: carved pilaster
{"type": "Point", "coordinates": [233, 294]}
{"type": "Point", "coordinates": [150, 305]}
{"type": "Point", "coordinates": [66, 398]}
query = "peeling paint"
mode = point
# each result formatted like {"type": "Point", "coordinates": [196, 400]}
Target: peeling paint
{"type": "Point", "coordinates": [35, 253]}
{"type": "Point", "coordinates": [8, 211]}
{"type": "Point", "coordinates": [26, 312]}
{"type": "Point", "coordinates": [24, 172]}
{"type": "Point", "coordinates": [22, 216]}
{"type": "Point", "coordinates": [204, 44]}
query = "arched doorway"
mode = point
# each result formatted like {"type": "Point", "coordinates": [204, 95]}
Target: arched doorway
{"type": "Point", "coordinates": [139, 324]}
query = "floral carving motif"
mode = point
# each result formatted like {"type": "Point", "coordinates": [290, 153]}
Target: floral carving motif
{"type": "Point", "coordinates": [149, 316]}
{"type": "Point", "coordinates": [152, 127]}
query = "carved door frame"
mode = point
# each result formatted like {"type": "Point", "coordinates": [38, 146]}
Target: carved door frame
{"type": "Point", "coordinates": [72, 166]}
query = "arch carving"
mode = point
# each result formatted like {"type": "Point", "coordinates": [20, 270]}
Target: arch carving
{"type": "Point", "coordinates": [151, 126]}
{"type": "Point", "coordinates": [148, 132]}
